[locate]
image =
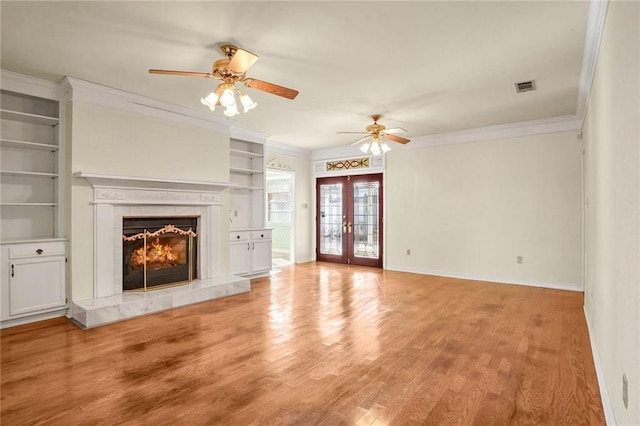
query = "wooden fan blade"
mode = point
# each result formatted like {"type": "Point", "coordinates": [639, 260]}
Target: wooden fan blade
{"type": "Point", "coordinates": [396, 138]}
{"type": "Point", "coordinates": [360, 140]}
{"type": "Point", "coordinates": [184, 73]}
{"type": "Point", "coordinates": [395, 130]}
{"type": "Point", "coordinates": [274, 89]}
{"type": "Point", "coordinates": [355, 133]}
{"type": "Point", "coordinates": [242, 61]}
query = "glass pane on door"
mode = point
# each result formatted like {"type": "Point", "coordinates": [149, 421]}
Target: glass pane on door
{"type": "Point", "coordinates": [366, 219]}
{"type": "Point", "coordinates": [331, 219]}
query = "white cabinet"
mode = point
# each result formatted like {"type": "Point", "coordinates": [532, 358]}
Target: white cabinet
{"type": "Point", "coordinates": [34, 279]}
{"type": "Point", "coordinates": [250, 251]}
{"type": "Point", "coordinates": [240, 253]}
{"type": "Point", "coordinates": [29, 166]}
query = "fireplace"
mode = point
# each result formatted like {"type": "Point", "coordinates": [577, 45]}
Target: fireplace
{"type": "Point", "coordinates": [158, 252]}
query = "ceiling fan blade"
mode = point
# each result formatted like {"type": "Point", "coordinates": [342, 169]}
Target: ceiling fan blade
{"type": "Point", "coordinates": [274, 89]}
{"type": "Point", "coordinates": [355, 133]}
{"type": "Point", "coordinates": [396, 138]}
{"type": "Point", "coordinates": [242, 61]}
{"type": "Point", "coordinates": [395, 130]}
{"type": "Point", "coordinates": [360, 140]}
{"type": "Point", "coordinates": [184, 73]}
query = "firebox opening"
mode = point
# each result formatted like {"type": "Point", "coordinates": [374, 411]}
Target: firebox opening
{"type": "Point", "coordinates": [158, 251]}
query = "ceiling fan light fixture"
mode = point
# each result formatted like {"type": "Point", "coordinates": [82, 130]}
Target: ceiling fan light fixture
{"type": "Point", "coordinates": [231, 110]}
{"type": "Point", "coordinates": [247, 102]}
{"type": "Point", "coordinates": [385, 147]}
{"type": "Point", "coordinates": [228, 98]}
{"type": "Point", "coordinates": [375, 147]}
{"type": "Point", "coordinates": [365, 147]}
{"type": "Point", "coordinates": [210, 101]}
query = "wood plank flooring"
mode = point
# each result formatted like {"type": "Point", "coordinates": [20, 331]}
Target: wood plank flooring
{"type": "Point", "coordinates": [317, 343]}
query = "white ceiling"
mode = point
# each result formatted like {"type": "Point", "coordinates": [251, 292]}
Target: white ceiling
{"type": "Point", "coordinates": [429, 67]}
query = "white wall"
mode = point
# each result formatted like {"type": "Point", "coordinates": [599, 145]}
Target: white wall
{"type": "Point", "coordinates": [304, 195]}
{"type": "Point", "coordinates": [469, 210]}
{"type": "Point", "coordinates": [612, 135]}
{"type": "Point", "coordinates": [106, 140]}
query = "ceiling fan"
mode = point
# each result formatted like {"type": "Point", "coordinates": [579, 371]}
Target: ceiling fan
{"type": "Point", "coordinates": [231, 70]}
{"type": "Point", "coordinates": [375, 132]}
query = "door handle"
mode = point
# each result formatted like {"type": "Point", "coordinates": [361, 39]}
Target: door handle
{"type": "Point", "coordinates": [344, 227]}
{"type": "Point", "coordinates": [12, 274]}
{"type": "Point", "coordinates": [248, 246]}
{"type": "Point", "coordinates": [253, 247]}
{"type": "Point", "coordinates": [349, 226]}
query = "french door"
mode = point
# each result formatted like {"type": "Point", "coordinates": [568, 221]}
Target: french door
{"type": "Point", "coordinates": [349, 220]}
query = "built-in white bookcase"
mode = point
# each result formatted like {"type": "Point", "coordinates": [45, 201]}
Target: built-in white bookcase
{"type": "Point", "coordinates": [29, 166]}
{"type": "Point", "coordinates": [246, 162]}
{"type": "Point", "coordinates": [249, 241]}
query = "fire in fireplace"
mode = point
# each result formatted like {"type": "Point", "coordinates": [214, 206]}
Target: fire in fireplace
{"type": "Point", "coordinates": [158, 251]}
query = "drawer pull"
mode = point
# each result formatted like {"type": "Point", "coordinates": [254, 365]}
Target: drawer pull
{"type": "Point", "coordinates": [39, 251]}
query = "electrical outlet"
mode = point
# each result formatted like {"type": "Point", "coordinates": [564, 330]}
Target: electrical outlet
{"type": "Point", "coordinates": [519, 259]}
{"type": "Point", "coordinates": [625, 391]}
{"type": "Point", "coordinates": [408, 252]}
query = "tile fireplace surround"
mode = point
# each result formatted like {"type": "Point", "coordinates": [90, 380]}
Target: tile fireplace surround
{"type": "Point", "coordinates": [115, 197]}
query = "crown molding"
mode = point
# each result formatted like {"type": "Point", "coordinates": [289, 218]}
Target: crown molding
{"type": "Point", "coordinates": [76, 90]}
{"type": "Point", "coordinates": [593, 38]}
{"type": "Point", "coordinates": [502, 131]}
{"type": "Point", "coordinates": [291, 151]}
{"type": "Point", "coordinates": [22, 83]}
{"type": "Point", "coordinates": [248, 135]}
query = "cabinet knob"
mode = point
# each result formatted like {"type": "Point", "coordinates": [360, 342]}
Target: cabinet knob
{"type": "Point", "coordinates": [261, 235]}
{"type": "Point", "coordinates": [39, 251]}
{"type": "Point", "coordinates": [238, 236]}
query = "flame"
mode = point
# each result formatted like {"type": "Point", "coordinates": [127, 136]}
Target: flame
{"type": "Point", "coordinates": [158, 256]}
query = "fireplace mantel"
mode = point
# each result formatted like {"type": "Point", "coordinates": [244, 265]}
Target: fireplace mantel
{"type": "Point", "coordinates": [116, 197]}
{"type": "Point", "coordinates": [102, 180]}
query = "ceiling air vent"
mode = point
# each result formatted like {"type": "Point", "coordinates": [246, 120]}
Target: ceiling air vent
{"type": "Point", "coordinates": [525, 86]}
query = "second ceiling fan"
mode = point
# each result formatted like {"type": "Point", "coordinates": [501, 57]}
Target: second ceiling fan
{"type": "Point", "coordinates": [374, 142]}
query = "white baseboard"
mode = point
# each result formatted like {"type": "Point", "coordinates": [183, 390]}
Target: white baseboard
{"type": "Point", "coordinates": [609, 417]}
{"type": "Point", "coordinates": [33, 318]}
{"type": "Point", "coordinates": [555, 286]}
{"type": "Point", "coordinates": [304, 260]}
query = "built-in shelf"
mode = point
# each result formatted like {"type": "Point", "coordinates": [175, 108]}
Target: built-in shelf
{"type": "Point", "coordinates": [29, 204]}
{"type": "Point", "coordinates": [8, 143]}
{"type": "Point", "coordinates": [246, 188]}
{"type": "Point", "coordinates": [245, 171]}
{"type": "Point", "coordinates": [248, 154]}
{"type": "Point", "coordinates": [26, 117]}
{"type": "Point", "coordinates": [28, 174]}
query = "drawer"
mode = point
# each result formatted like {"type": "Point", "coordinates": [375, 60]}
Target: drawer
{"type": "Point", "coordinates": [263, 234]}
{"type": "Point", "coordinates": [37, 250]}
{"type": "Point", "coordinates": [240, 236]}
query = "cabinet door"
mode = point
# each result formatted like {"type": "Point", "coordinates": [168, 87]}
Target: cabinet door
{"type": "Point", "coordinates": [240, 257]}
{"type": "Point", "coordinates": [36, 284]}
{"type": "Point", "coordinates": [261, 255]}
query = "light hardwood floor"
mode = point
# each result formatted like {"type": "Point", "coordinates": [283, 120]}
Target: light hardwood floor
{"type": "Point", "coordinates": [317, 344]}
